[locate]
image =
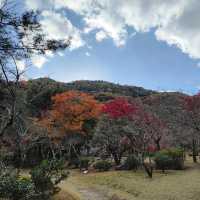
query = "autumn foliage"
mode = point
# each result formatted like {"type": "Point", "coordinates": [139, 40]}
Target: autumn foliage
{"type": "Point", "coordinates": [156, 128]}
{"type": "Point", "coordinates": [192, 103]}
{"type": "Point", "coordinates": [152, 130]}
{"type": "Point", "coordinates": [69, 112]}
{"type": "Point", "coordinates": [192, 107]}
{"type": "Point", "coordinates": [119, 107]}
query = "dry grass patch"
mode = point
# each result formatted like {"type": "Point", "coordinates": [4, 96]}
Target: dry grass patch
{"type": "Point", "coordinates": [67, 192]}
{"type": "Point", "coordinates": [173, 185]}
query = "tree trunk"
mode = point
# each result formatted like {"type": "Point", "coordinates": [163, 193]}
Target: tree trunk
{"type": "Point", "coordinates": [148, 170]}
{"type": "Point", "coordinates": [194, 152]}
{"type": "Point", "coordinates": [157, 142]}
{"type": "Point", "coordinates": [18, 151]}
{"type": "Point", "coordinates": [116, 158]}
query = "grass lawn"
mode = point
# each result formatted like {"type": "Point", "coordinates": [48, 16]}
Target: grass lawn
{"type": "Point", "coordinates": [173, 185]}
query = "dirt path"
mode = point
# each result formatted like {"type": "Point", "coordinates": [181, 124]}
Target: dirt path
{"type": "Point", "coordinates": [79, 192]}
{"type": "Point", "coordinates": [92, 194]}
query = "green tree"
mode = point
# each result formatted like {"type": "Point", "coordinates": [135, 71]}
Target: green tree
{"type": "Point", "coordinates": [21, 37]}
{"type": "Point", "coordinates": [109, 137]}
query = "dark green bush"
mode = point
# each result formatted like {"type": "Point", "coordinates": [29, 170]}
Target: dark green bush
{"type": "Point", "coordinates": [7, 158]}
{"type": "Point", "coordinates": [163, 162]}
{"type": "Point", "coordinates": [74, 162]}
{"type": "Point", "coordinates": [131, 163]}
{"type": "Point", "coordinates": [14, 187]}
{"type": "Point", "coordinates": [102, 165]}
{"type": "Point", "coordinates": [169, 159]}
{"type": "Point", "coordinates": [47, 175]}
{"type": "Point", "coordinates": [84, 163]}
{"type": "Point", "coordinates": [25, 189]}
{"type": "Point", "coordinates": [42, 184]}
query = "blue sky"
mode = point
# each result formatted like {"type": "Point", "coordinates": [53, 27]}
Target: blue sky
{"type": "Point", "coordinates": [150, 57]}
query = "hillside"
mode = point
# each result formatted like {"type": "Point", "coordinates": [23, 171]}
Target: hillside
{"type": "Point", "coordinates": [169, 107]}
{"type": "Point", "coordinates": [93, 87]}
{"type": "Point", "coordinates": [39, 91]}
{"type": "Point", "coordinates": [166, 105]}
{"type": "Point", "coordinates": [107, 87]}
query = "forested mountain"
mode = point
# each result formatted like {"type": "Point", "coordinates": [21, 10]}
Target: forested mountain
{"type": "Point", "coordinates": [107, 87]}
{"type": "Point", "coordinates": [93, 87]}
{"type": "Point", "coordinates": [166, 105]}
{"type": "Point", "coordinates": [39, 91]}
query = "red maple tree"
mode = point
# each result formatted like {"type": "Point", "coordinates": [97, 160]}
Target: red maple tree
{"type": "Point", "coordinates": [156, 128]}
{"type": "Point", "coordinates": [119, 107]}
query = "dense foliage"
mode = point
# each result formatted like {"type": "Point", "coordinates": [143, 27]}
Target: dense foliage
{"type": "Point", "coordinates": [100, 87]}
{"type": "Point", "coordinates": [70, 111]}
{"type": "Point", "coordinates": [14, 187]}
{"type": "Point", "coordinates": [169, 159]}
{"type": "Point", "coordinates": [40, 185]}
{"type": "Point", "coordinates": [132, 162]}
{"type": "Point", "coordinates": [125, 133]}
{"type": "Point", "coordinates": [74, 123]}
{"type": "Point", "coordinates": [192, 107]}
{"type": "Point", "coordinates": [47, 176]}
{"type": "Point", "coordinates": [102, 165]}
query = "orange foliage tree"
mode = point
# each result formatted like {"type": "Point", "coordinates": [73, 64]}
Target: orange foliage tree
{"type": "Point", "coordinates": [69, 113]}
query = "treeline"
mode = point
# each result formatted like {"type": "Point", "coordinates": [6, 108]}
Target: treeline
{"type": "Point", "coordinates": [39, 100]}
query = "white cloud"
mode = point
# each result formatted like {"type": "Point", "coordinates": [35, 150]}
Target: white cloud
{"type": "Point", "coordinates": [39, 60]}
{"type": "Point", "coordinates": [79, 6]}
{"type": "Point", "coordinates": [174, 21]}
{"type": "Point", "coordinates": [1, 2]}
{"type": "Point", "coordinates": [49, 53]}
{"type": "Point", "coordinates": [21, 65]}
{"type": "Point", "coordinates": [56, 26]}
{"type": "Point", "coordinates": [61, 54]}
{"type": "Point", "coordinates": [38, 4]}
{"type": "Point", "coordinates": [101, 35]}
{"type": "Point", "coordinates": [183, 31]}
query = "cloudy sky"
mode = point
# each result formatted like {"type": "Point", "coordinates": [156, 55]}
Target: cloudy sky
{"type": "Point", "coordinates": [149, 43]}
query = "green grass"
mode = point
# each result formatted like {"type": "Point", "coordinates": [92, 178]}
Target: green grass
{"type": "Point", "coordinates": [173, 185]}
